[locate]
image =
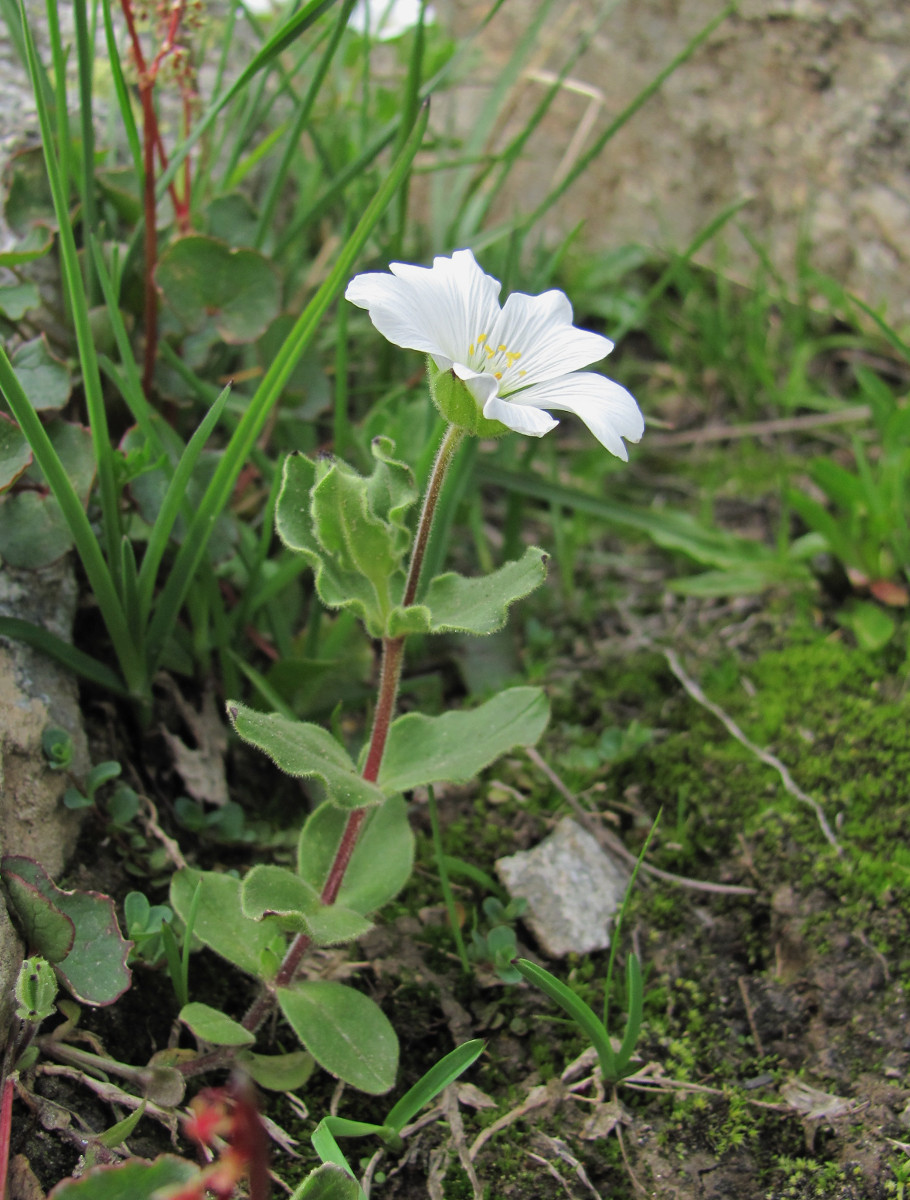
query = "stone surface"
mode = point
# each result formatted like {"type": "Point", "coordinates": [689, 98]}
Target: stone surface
{"type": "Point", "coordinates": [572, 887]}
{"type": "Point", "coordinates": [802, 105]}
{"type": "Point", "coordinates": [36, 692]}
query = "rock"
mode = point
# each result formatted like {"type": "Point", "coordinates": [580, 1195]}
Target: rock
{"type": "Point", "coordinates": [801, 105]}
{"type": "Point", "coordinates": [573, 889]}
{"type": "Point", "coordinates": [36, 692]}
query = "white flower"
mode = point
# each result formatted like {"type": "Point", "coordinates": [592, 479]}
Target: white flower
{"type": "Point", "coordinates": [516, 361]}
{"type": "Point", "coordinates": [387, 19]}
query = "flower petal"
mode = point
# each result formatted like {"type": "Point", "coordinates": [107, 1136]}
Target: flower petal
{"type": "Point", "coordinates": [540, 329]}
{"type": "Point", "coordinates": [608, 410]}
{"type": "Point", "coordinates": [440, 310]}
{"type": "Point", "coordinates": [519, 417]}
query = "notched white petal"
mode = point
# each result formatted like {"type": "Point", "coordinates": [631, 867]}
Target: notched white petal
{"type": "Point", "coordinates": [608, 410]}
{"type": "Point", "coordinates": [518, 417]}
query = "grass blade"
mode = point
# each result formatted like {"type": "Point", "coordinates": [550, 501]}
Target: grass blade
{"type": "Point", "coordinates": [267, 395]}
{"type": "Point", "coordinates": [68, 655]}
{"type": "Point", "coordinates": [574, 1007]}
{"type": "Point", "coordinates": [439, 1076]}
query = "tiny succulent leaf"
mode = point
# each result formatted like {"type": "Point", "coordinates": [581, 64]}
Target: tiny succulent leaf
{"type": "Point", "coordinates": [456, 746]}
{"type": "Point", "coordinates": [310, 751]}
{"type": "Point", "coordinates": [345, 1031]}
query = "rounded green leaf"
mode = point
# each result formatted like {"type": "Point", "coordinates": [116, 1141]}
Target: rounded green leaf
{"type": "Point", "coordinates": [47, 930]}
{"type": "Point", "coordinates": [44, 378]}
{"type": "Point", "coordinates": [269, 890]}
{"type": "Point", "coordinates": [15, 452]}
{"type": "Point", "coordinates": [278, 1072]}
{"type": "Point", "coordinates": [214, 1026]}
{"type": "Point", "coordinates": [346, 1032]}
{"type": "Point", "coordinates": [382, 861]}
{"type": "Point", "coordinates": [329, 1182]}
{"type": "Point", "coordinates": [202, 278]}
{"type": "Point", "coordinates": [135, 1180]}
{"type": "Point", "coordinates": [220, 921]}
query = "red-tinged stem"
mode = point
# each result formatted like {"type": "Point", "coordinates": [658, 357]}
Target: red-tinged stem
{"type": "Point", "coordinates": [6, 1124]}
{"type": "Point", "coordinates": [151, 238]}
{"type": "Point", "coordinates": [389, 676]}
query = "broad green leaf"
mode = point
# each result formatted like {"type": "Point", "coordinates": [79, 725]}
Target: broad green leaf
{"type": "Point", "coordinates": [351, 529]}
{"type": "Point", "coordinates": [16, 299]}
{"type": "Point", "coordinates": [44, 378]}
{"type": "Point", "coordinates": [36, 243]}
{"type": "Point", "coordinates": [872, 627]}
{"type": "Point", "coordinates": [270, 890]}
{"type": "Point", "coordinates": [239, 290]}
{"type": "Point", "coordinates": [456, 746]}
{"type": "Point", "coordinates": [306, 750]}
{"type": "Point", "coordinates": [278, 1072]}
{"type": "Point", "coordinates": [220, 922]}
{"type": "Point", "coordinates": [481, 605]}
{"type": "Point", "coordinates": [382, 861]}
{"type": "Point", "coordinates": [334, 925]}
{"type": "Point", "coordinates": [47, 930]}
{"type": "Point", "coordinates": [33, 531]}
{"type": "Point", "coordinates": [15, 453]}
{"type": "Point", "coordinates": [214, 1026]}
{"type": "Point", "coordinates": [345, 1031]}
{"type": "Point", "coordinates": [135, 1180]}
{"type": "Point", "coordinates": [95, 969]}
{"type": "Point", "coordinates": [329, 1182]}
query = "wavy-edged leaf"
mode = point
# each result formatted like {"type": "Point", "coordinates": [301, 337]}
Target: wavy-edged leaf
{"type": "Point", "coordinates": [481, 605]}
{"type": "Point", "coordinates": [306, 750]}
{"type": "Point", "coordinates": [456, 746]}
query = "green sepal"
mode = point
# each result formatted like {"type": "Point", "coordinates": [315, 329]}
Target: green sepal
{"type": "Point", "coordinates": [306, 750]}
{"type": "Point", "coordinates": [453, 399]}
{"type": "Point", "coordinates": [455, 747]}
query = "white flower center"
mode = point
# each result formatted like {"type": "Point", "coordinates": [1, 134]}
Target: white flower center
{"type": "Point", "coordinates": [495, 361]}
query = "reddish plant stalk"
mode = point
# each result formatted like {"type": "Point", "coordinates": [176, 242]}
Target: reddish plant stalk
{"type": "Point", "coordinates": [390, 674]}
{"type": "Point", "coordinates": [6, 1124]}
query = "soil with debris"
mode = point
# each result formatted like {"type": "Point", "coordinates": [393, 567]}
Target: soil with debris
{"type": "Point", "coordinates": [774, 1060]}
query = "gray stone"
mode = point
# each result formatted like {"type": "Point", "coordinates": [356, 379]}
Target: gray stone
{"type": "Point", "coordinates": [573, 889]}
{"type": "Point", "coordinates": [801, 105]}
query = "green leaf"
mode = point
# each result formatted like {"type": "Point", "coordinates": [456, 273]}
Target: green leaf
{"type": "Point", "coordinates": [118, 1133]}
{"type": "Point", "coordinates": [456, 746]}
{"type": "Point", "coordinates": [214, 1026]}
{"type": "Point", "coordinates": [278, 1072]}
{"type": "Point", "coordinates": [872, 627]}
{"type": "Point", "coordinates": [269, 890]}
{"type": "Point", "coordinates": [33, 531]}
{"type": "Point", "coordinates": [346, 1032]}
{"type": "Point", "coordinates": [329, 1182]}
{"type": "Point", "coordinates": [135, 1180]}
{"type": "Point", "coordinates": [382, 861]}
{"type": "Point", "coordinates": [15, 453]}
{"type": "Point", "coordinates": [575, 1008]}
{"type": "Point", "coordinates": [95, 969]}
{"type": "Point", "coordinates": [309, 751]}
{"type": "Point", "coordinates": [439, 1076]}
{"type": "Point", "coordinates": [16, 299]}
{"type": "Point", "coordinates": [334, 925]}
{"type": "Point", "coordinates": [44, 378]}
{"type": "Point", "coordinates": [351, 529]}
{"type": "Point", "coordinates": [220, 922]}
{"type": "Point", "coordinates": [36, 243]}
{"type": "Point", "coordinates": [201, 277]}
{"type": "Point", "coordinates": [481, 605]}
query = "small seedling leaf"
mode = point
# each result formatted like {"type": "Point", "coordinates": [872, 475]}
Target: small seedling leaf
{"type": "Point", "coordinates": [278, 1072]}
{"type": "Point", "coordinates": [213, 1026]}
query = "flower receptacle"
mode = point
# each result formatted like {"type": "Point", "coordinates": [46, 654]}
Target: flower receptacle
{"type": "Point", "coordinates": [453, 399]}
